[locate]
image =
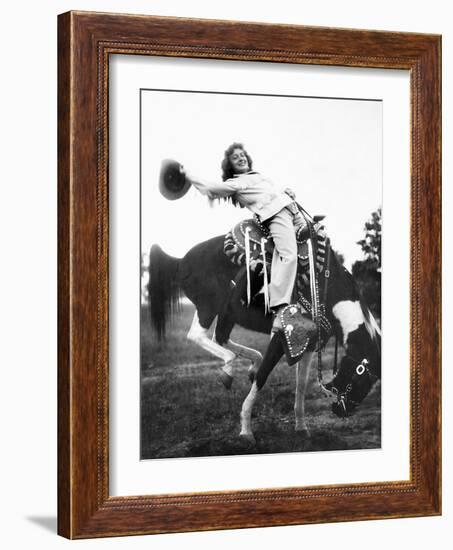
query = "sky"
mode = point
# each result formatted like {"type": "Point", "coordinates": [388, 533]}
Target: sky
{"type": "Point", "coordinates": [328, 151]}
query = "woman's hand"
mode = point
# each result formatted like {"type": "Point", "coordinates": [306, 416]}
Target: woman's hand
{"type": "Point", "coordinates": [290, 193]}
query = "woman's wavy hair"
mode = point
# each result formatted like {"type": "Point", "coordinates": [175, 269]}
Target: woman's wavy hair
{"type": "Point", "coordinates": [227, 167]}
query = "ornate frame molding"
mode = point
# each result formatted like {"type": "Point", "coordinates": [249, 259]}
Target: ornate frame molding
{"type": "Point", "coordinates": [85, 41]}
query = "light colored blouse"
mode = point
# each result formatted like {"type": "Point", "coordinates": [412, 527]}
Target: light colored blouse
{"type": "Point", "coordinates": [252, 190]}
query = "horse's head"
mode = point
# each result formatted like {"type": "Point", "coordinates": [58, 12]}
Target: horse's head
{"type": "Point", "coordinates": [360, 367]}
{"type": "Point", "coordinates": [351, 385]}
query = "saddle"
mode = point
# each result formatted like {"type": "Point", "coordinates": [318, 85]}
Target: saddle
{"type": "Point", "coordinates": [249, 245]}
{"type": "Point", "coordinates": [261, 246]}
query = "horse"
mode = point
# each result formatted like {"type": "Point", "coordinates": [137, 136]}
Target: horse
{"type": "Point", "coordinates": [207, 277]}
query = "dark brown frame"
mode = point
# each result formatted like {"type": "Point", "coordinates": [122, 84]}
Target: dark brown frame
{"type": "Point", "coordinates": [85, 42]}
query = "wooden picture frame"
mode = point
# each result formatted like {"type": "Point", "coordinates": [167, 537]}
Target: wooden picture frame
{"type": "Point", "coordinates": [85, 42]}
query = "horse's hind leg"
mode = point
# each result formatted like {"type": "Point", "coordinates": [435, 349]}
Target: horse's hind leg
{"type": "Point", "coordinates": [199, 336]}
{"type": "Point", "coordinates": [302, 376]}
{"type": "Point", "coordinates": [246, 414]}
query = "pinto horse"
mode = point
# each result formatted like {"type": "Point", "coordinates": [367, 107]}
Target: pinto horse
{"type": "Point", "coordinates": [209, 279]}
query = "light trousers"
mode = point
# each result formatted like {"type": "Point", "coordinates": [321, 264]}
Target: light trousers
{"type": "Point", "coordinates": [283, 227]}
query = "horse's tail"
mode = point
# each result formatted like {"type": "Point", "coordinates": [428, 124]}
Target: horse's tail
{"type": "Point", "coordinates": [163, 289]}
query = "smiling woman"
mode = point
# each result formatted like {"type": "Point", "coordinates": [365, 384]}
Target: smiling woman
{"type": "Point", "coordinates": [236, 161]}
{"type": "Point", "coordinates": [273, 207]}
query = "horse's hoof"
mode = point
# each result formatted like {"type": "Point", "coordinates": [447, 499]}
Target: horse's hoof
{"type": "Point", "coordinates": [303, 431]}
{"type": "Point", "coordinates": [248, 438]}
{"type": "Point", "coordinates": [226, 379]}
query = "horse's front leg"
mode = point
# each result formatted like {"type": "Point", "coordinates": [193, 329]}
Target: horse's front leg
{"type": "Point", "coordinates": [302, 376]}
{"type": "Point", "coordinates": [246, 414]}
{"type": "Point", "coordinates": [271, 358]}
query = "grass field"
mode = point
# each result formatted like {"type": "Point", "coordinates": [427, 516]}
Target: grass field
{"type": "Point", "coordinates": [185, 411]}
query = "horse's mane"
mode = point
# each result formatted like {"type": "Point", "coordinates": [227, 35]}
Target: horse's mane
{"type": "Point", "coordinates": [370, 322]}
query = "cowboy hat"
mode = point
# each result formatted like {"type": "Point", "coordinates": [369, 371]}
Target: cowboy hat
{"type": "Point", "coordinates": [173, 183]}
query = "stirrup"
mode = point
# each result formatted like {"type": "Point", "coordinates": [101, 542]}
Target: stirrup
{"type": "Point", "coordinates": [277, 322]}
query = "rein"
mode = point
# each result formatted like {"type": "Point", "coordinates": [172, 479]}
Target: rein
{"type": "Point", "coordinates": [318, 308]}
{"type": "Point", "coordinates": [324, 301]}
{"type": "Point", "coordinates": [314, 287]}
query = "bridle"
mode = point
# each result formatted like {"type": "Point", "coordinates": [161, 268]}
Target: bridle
{"type": "Point", "coordinates": [344, 397]}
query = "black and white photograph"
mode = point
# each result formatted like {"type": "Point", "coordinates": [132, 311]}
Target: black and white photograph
{"type": "Point", "coordinates": [260, 275]}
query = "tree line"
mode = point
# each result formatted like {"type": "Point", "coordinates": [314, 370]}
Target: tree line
{"type": "Point", "coordinates": [367, 272]}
